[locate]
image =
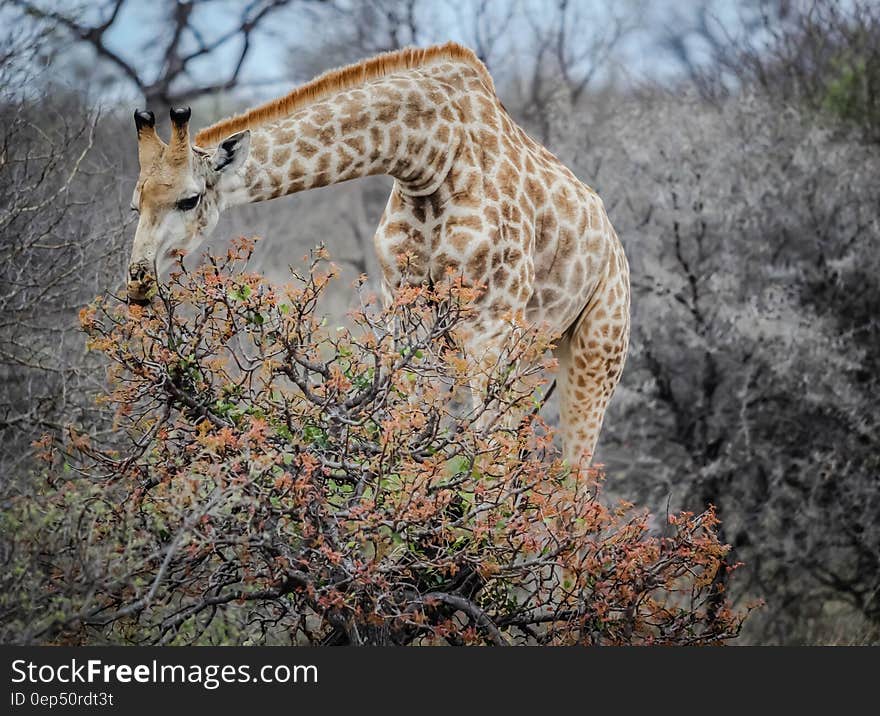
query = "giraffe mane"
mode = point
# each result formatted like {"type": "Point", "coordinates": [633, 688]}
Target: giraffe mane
{"type": "Point", "coordinates": [337, 80]}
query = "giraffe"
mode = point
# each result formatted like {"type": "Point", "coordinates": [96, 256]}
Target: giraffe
{"type": "Point", "coordinates": [472, 192]}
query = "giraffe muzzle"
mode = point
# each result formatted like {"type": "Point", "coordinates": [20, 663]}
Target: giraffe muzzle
{"type": "Point", "coordinates": [141, 284]}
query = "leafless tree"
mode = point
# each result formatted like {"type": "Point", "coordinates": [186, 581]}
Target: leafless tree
{"type": "Point", "coordinates": [62, 226]}
{"type": "Point", "coordinates": [183, 40]}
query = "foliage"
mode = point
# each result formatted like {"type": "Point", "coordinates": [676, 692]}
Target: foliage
{"type": "Point", "coordinates": [752, 379]}
{"type": "Point", "coordinates": [285, 480]}
{"type": "Point", "coordinates": [823, 55]}
{"type": "Point", "coordinates": [749, 218]}
{"type": "Point", "coordinates": [62, 229]}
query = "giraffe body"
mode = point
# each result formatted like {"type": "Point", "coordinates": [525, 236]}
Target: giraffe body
{"type": "Point", "coordinates": [472, 193]}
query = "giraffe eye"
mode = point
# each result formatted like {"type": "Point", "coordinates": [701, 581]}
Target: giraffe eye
{"type": "Point", "coordinates": [190, 203]}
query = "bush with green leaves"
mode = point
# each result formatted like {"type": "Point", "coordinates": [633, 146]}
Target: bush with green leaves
{"type": "Point", "coordinates": [277, 479]}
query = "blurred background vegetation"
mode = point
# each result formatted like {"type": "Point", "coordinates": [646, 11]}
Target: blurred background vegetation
{"type": "Point", "coordinates": [736, 146]}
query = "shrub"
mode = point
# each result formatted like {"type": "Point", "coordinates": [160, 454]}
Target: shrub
{"type": "Point", "coordinates": [275, 479]}
{"type": "Point", "coordinates": [751, 382]}
{"type": "Point", "coordinates": [823, 55]}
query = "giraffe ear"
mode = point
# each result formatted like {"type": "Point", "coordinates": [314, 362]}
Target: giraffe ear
{"type": "Point", "coordinates": [231, 152]}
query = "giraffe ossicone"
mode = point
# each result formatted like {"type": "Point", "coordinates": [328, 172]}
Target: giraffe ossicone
{"type": "Point", "coordinates": [472, 192]}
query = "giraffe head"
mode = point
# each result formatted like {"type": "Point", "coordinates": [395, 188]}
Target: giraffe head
{"type": "Point", "coordinates": [179, 196]}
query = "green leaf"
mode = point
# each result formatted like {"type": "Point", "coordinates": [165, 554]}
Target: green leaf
{"type": "Point", "coordinates": [240, 293]}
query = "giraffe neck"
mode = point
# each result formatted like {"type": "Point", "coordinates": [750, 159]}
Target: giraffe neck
{"type": "Point", "coordinates": [392, 126]}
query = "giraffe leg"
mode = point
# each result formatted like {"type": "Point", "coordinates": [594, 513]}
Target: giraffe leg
{"type": "Point", "coordinates": [591, 358]}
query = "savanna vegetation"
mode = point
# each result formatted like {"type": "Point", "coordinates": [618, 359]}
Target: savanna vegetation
{"type": "Point", "coordinates": [266, 456]}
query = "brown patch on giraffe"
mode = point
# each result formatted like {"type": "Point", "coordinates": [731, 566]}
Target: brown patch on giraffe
{"type": "Point", "coordinates": [474, 84]}
{"type": "Point", "coordinates": [512, 153]}
{"type": "Point", "coordinates": [387, 113]}
{"type": "Point", "coordinates": [444, 263]}
{"type": "Point", "coordinates": [398, 227]}
{"type": "Point", "coordinates": [459, 241]}
{"type": "Point", "coordinates": [344, 162]}
{"type": "Point", "coordinates": [376, 138]}
{"type": "Point", "coordinates": [395, 203]}
{"type": "Point", "coordinates": [275, 178]}
{"type": "Point", "coordinates": [419, 211]}
{"type": "Point", "coordinates": [436, 202]}
{"type": "Point", "coordinates": [578, 274]}
{"type": "Point", "coordinates": [511, 255]}
{"type": "Point", "coordinates": [413, 244]}
{"type": "Point", "coordinates": [543, 237]}
{"type": "Point", "coordinates": [297, 169]}
{"type": "Point", "coordinates": [507, 179]}
{"type": "Point", "coordinates": [284, 136]}
{"type": "Point", "coordinates": [549, 177]}
{"type": "Point", "coordinates": [466, 221]}
{"type": "Point", "coordinates": [548, 296]}
{"type": "Point", "coordinates": [327, 134]}
{"type": "Point", "coordinates": [565, 204]}
{"type": "Point", "coordinates": [322, 164]}
{"type": "Point", "coordinates": [260, 150]}
{"type": "Point", "coordinates": [321, 114]}
{"type": "Point", "coordinates": [510, 212]}
{"type": "Point", "coordinates": [435, 96]}
{"type": "Point", "coordinates": [582, 221]}
{"type": "Point", "coordinates": [395, 137]}
{"type": "Point", "coordinates": [566, 243]}
{"type": "Point", "coordinates": [528, 209]}
{"type": "Point", "coordinates": [415, 115]}
{"type": "Point", "coordinates": [535, 191]}
{"type": "Point", "coordinates": [388, 92]}
{"type": "Point", "coordinates": [476, 265]}
{"type": "Point", "coordinates": [281, 156]}
{"type": "Point", "coordinates": [414, 145]}
{"type": "Point", "coordinates": [497, 257]}
{"type": "Point", "coordinates": [306, 149]}
{"type": "Point", "coordinates": [488, 142]}
{"type": "Point", "coordinates": [307, 130]}
{"type": "Point", "coordinates": [357, 144]}
{"type": "Point", "coordinates": [429, 115]}
{"type": "Point", "coordinates": [499, 307]}
{"type": "Point", "coordinates": [490, 214]}
{"type": "Point", "coordinates": [352, 122]}
{"type": "Point", "coordinates": [466, 183]}
{"type": "Point", "coordinates": [432, 155]}
{"type": "Point", "coordinates": [595, 222]}
{"type": "Point", "coordinates": [487, 110]}
{"type": "Point", "coordinates": [465, 108]}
